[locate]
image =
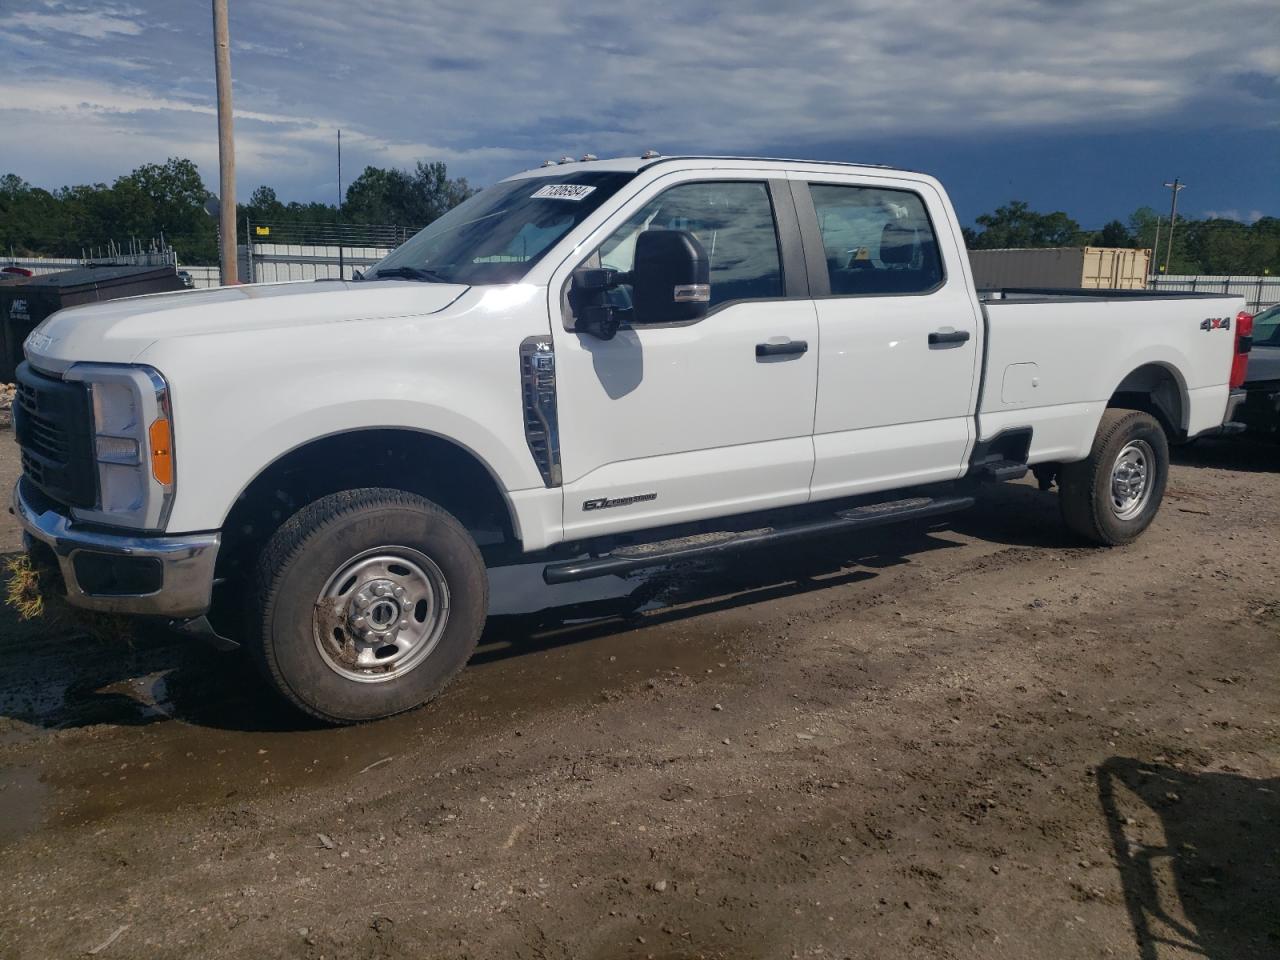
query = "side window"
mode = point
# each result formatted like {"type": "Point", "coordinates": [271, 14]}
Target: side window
{"type": "Point", "coordinates": [876, 241]}
{"type": "Point", "coordinates": [733, 220]}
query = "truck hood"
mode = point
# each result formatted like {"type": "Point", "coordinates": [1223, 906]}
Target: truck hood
{"type": "Point", "coordinates": [118, 331]}
{"type": "Point", "coordinates": [1264, 364]}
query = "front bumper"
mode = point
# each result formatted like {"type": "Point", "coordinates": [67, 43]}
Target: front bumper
{"type": "Point", "coordinates": [123, 572]}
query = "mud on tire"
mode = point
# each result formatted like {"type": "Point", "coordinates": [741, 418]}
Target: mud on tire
{"type": "Point", "coordinates": [370, 601]}
{"type": "Point", "coordinates": [1113, 495]}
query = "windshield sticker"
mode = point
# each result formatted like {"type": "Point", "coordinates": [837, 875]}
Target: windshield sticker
{"type": "Point", "coordinates": [562, 191]}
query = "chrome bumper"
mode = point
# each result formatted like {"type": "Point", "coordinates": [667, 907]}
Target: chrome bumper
{"type": "Point", "coordinates": [185, 562]}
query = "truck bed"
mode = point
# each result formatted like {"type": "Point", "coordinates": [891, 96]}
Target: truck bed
{"type": "Point", "coordinates": [1054, 358]}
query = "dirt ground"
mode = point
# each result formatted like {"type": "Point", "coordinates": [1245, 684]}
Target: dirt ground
{"type": "Point", "coordinates": [970, 739]}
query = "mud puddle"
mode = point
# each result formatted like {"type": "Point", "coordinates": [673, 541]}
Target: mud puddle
{"type": "Point", "coordinates": [170, 724]}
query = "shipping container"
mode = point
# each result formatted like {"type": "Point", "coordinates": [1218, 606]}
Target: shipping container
{"type": "Point", "coordinates": [1073, 268]}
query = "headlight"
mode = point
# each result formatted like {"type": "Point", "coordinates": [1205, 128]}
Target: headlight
{"type": "Point", "coordinates": [133, 444]}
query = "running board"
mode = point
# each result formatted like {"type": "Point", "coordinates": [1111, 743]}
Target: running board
{"type": "Point", "coordinates": [709, 545]}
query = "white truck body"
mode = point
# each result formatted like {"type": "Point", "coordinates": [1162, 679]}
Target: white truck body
{"type": "Point", "coordinates": [662, 425]}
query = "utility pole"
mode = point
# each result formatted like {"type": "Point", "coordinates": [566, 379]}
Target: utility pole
{"type": "Point", "coordinates": [342, 267]}
{"type": "Point", "coordinates": [1177, 187]}
{"type": "Point", "coordinates": [1154, 266]}
{"type": "Point", "coordinates": [226, 145]}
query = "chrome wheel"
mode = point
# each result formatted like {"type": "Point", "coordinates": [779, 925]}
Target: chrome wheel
{"type": "Point", "coordinates": [1132, 476]}
{"type": "Point", "coordinates": [381, 614]}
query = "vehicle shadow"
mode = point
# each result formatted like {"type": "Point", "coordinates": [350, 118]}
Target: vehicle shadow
{"type": "Point", "coordinates": [1199, 858]}
{"type": "Point", "coordinates": [55, 675]}
{"type": "Point", "coordinates": [1246, 454]}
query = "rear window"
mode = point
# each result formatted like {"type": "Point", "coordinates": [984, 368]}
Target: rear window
{"type": "Point", "coordinates": [876, 242]}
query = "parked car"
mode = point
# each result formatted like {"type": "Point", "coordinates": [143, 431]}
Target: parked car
{"type": "Point", "coordinates": [598, 366]}
{"type": "Point", "coordinates": [1261, 410]}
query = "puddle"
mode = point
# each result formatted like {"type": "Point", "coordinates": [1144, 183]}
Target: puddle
{"type": "Point", "coordinates": [175, 724]}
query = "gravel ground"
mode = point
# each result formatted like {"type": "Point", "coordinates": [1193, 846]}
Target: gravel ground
{"type": "Point", "coordinates": [950, 740]}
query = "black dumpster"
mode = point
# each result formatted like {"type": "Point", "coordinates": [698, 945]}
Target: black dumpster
{"type": "Point", "coordinates": [25, 302]}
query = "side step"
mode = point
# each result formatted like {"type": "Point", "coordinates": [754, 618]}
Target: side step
{"type": "Point", "coordinates": [708, 545]}
{"type": "Point", "coordinates": [1002, 470]}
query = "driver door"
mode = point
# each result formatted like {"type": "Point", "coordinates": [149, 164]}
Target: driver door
{"type": "Point", "coordinates": [673, 422]}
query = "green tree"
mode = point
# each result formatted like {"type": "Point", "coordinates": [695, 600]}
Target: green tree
{"type": "Point", "coordinates": [403, 197]}
{"type": "Point", "coordinates": [263, 205]}
{"type": "Point", "coordinates": [1016, 225]}
{"type": "Point", "coordinates": [165, 200]}
{"type": "Point", "coordinates": [1114, 234]}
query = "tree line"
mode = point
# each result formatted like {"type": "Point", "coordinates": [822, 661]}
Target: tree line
{"type": "Point", "coordinates": [1213, 246]}
{"type": "Point", "coordinates": [168, 200]}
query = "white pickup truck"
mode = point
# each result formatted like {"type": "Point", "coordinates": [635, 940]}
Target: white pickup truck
{"type": "Point", "coordinates": [599, 366]}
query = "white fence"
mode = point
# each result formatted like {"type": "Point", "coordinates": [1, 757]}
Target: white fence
{"type": "Point", "coordinates": [1259, 292]}
{"type": "Point", "coordinates": [277, 262]}
{"type": "Point", "coordinates": [42, 265]}
{"type": "Point", "coordinates": [270, 262]}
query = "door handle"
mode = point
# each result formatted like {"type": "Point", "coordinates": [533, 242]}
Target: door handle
{"type": "Point", "coordinates": [785, 348]}
{"type": "Point", "coordinates": [948, 336]}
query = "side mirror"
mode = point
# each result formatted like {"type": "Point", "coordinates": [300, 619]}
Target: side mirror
{"type": "Point", "coordinates": [671, 279]}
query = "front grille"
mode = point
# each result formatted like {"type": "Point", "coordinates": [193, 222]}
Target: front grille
{"type": "Point", "coordinates": [44, 435]}
{"type": "Point", "coordinates": [52, 422]}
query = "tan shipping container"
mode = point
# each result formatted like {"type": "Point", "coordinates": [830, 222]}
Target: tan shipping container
{"type": "Point", "coordinates": [1073, 268]}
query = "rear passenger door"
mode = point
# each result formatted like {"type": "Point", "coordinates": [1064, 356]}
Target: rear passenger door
{"type": "Point", "coordinates": [900, 334]}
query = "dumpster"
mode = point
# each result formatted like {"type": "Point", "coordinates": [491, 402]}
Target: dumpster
{"type": "Point", "coordinates": [26, 301]}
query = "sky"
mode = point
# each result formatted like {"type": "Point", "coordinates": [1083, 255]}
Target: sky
{"type": "Point", "coordinates": [1086, 106]}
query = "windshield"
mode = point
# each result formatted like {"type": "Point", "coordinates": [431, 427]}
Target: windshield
{"type": "Point", "coordinates": [1266, 327]}
{"type": "Point", "coordinates": [498, 234]}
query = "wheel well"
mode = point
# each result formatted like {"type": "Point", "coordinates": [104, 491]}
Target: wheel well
{"type": "Point", "coordinates": [1154, 389]}
{"type": "Point", "coordinates": [420, 463]}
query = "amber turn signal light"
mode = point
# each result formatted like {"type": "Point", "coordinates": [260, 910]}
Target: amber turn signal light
{"type": "Point", "coordinates": [161, 438]}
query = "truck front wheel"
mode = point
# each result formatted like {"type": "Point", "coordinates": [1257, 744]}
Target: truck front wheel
{"type": "Point", "coordinates": [371, 601]}
{"type": "Point", "coordinates": [1112, 496]}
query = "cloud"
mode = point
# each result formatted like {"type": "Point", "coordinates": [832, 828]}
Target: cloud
{"type": "Point", "coordinates": [500, 85]}
{"type": "Point", "coordinates": [1252, 216]}
{"type": "Point", "coordinates": [89, 23]}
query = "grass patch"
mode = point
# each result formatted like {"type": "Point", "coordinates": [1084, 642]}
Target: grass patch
{"type": "Point", "coordinates": [22, 589]}
{"type": "Point", "coordinates": [34, 591]}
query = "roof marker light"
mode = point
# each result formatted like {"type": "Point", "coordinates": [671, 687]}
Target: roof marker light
{"type": "Point", "coordinates": [566, 159]}
{"type": "Point", "coordinates": [589, 156]}
{"type": "Point", "coordinates": [650, 155]}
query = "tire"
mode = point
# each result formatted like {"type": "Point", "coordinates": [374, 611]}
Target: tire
{"type": "Point", "coordinates": [370, 602]}
{"type": "Point", "coordinates": [1086, 489]}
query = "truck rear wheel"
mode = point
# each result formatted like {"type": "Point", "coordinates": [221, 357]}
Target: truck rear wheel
{"type": "Point", "coordinates": [1112, 496]}
{"type": "Point", "coordinates": [372, 601]}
